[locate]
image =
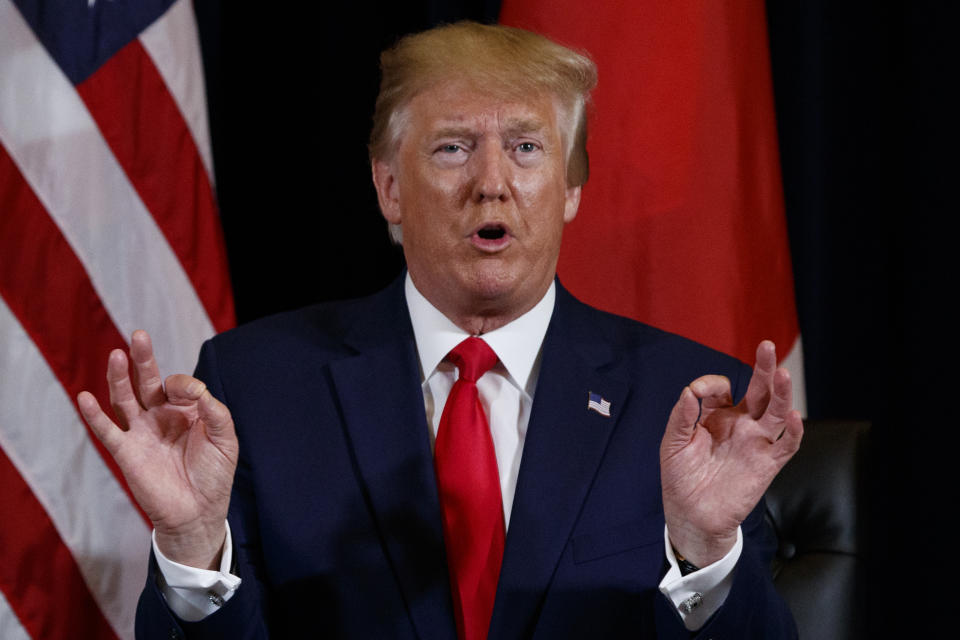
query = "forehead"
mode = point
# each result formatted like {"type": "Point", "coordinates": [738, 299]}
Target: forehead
{"type": "Point", "coordinates": [460, 106]}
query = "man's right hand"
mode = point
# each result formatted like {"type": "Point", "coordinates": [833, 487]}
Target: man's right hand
{"type": "Point", "coordinates": [177, 448]}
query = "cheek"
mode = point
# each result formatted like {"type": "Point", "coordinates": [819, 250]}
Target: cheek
{"type": "Point", "coordinates": [541, 195]}
{"type": "Point", "coordinates": [427, 215]}
{"type": "Point", "coordinates": [531, 193]}
{"type": "Point", "coordinates": [540, 182]}
{"type": "Point", "coordinates": [436, 191]}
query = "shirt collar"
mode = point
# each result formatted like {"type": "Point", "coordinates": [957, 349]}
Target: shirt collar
{"type": "Point", "coordinates": [517, 343]}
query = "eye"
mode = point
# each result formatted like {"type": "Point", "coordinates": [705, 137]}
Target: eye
{"type": "Point", "coordinates": [451, 154]}
{"type": "Point", "coordinates": [526, 147]}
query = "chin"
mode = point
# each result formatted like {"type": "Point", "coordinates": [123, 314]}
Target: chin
{"type": "Point", "coordinates": [504, 291]}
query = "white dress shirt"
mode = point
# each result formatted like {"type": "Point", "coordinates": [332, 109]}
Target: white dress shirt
{"type": "Point", "coordinates": [506, 393]}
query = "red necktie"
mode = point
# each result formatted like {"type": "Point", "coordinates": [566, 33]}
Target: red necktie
{"type": "Point", "coordinates": [466, 466]}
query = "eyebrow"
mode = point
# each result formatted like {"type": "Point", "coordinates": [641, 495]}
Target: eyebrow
{"type": "Point", "coordinates": [453, 132]}
{"type": "Point", "coordinates": [512, 127]}
{"type": "Point", "coordinates": [516, 126]}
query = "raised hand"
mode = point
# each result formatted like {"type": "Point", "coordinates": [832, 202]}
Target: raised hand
{"type": "Point", "coordinates": [177, 448]}
{"type": "Point", "coordinates": [717, 458]}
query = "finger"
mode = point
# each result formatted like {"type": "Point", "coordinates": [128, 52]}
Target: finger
{"type": "Point", "coordinates": [124, 402]}
{"type": "Point", "coordinates": [713, 391]}
{"type": "Point", "coordinates": [146, 373]}
{"type": "Point", "coordinates": [789, 442]}
{"type": "Point", "coordinates": [100, 423]}
{"type": "Point", "coordinates": [761, 382]}
{"type": "Point", "coordinates": [184, 390]}
{"type": "Point", "coordinates": [781, 402]}
{"type": "Point", "coordinates": [219, 423]}
{"type": "Point", "coordinates": [681, 424]}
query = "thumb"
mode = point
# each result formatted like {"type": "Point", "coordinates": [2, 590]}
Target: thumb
{"type": "Point", "coordinates": [681, 424]}
{"type": "Point", "coordinates": [217, 420]}
{"type": "Point", "coordinates": [183, 390]}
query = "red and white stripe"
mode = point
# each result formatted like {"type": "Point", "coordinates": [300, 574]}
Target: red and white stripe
{"type": "Point", "coordinates": [108, 223]}
{"type": "Point", "coordinates": [10, 627]}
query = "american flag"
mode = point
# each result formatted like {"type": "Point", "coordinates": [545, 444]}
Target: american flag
{"type": "Point", "coordinates": [108, 223]}
{"type": "Point", "coordinates": [598, 404]}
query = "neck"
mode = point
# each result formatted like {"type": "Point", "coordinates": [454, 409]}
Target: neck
{"type": "Point", "coordinates": [477, 317]}
{"type": "Point", "coordinates": [477, 325]}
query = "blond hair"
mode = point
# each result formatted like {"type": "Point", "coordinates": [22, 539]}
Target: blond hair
{"type": "Point", "coordinates": [503, 61]}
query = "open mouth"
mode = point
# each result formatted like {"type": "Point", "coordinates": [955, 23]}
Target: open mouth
{"type": "Point", "coordinates": [494, 232]}
{"type": "Point", "coordinates": [491, 237]}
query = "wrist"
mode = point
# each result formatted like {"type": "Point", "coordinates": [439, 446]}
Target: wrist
{"type": "Point", "coordinates": [698, 550]}
{"type": "Point", "coordinates": [201, 549]}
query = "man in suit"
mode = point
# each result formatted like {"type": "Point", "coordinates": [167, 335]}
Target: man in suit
{"type": "Point", "coordinates": [355, 509]}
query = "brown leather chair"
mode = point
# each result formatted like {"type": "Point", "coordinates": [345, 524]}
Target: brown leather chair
{"type": "Point", "coordinates": [816, 506]}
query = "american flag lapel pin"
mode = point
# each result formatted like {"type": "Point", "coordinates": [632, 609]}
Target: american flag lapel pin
{"type": "Point", "coordinates": [596, 402]}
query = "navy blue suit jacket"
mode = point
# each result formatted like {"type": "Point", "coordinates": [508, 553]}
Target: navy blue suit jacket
{"type": "Point", "coordinates": [335, 515]}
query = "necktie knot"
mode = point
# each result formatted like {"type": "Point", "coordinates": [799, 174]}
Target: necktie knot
{"type": "Point", "coordinates": [473, 357]}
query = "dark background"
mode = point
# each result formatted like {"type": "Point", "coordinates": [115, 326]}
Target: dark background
{"type": "Point", "coordinates": [865, 117]}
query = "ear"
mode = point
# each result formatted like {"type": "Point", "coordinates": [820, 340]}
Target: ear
{"type": "Point", "coordinates": [388, 190]}
{"type": "Point", "coordinates": [571, 204]}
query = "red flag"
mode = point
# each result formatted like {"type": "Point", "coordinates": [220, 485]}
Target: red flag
{"type": "Point", "coordinates": [108, 223]}
{"type": "Point", "coordinates": [681, 224]}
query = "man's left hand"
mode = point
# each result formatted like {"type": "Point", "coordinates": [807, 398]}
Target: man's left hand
{"type": "Point", "coordinates": [717, 459]}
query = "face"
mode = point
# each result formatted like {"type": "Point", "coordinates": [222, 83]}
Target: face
{"type": "Point", "coordinates": [479, 188]}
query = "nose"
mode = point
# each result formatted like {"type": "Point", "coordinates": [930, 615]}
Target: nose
{"type": "Point", "coordinates": [491, 173]}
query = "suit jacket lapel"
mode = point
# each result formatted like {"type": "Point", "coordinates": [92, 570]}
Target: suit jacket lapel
{"type": "Point", "coordinates": [380, 396]}
{"type": "Point", "coordinates": [564, 446]}
{"type": "Point", "coordinates": [381, 401]}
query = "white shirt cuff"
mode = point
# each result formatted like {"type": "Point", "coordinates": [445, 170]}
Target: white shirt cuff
{"type": "Point", "coordinates": [192, 593]}
{"type": "Point", "coordinates": [698, 595]}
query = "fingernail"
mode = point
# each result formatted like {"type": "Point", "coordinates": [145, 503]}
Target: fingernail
{"type": "Point", "coordinates": [196, 388]}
